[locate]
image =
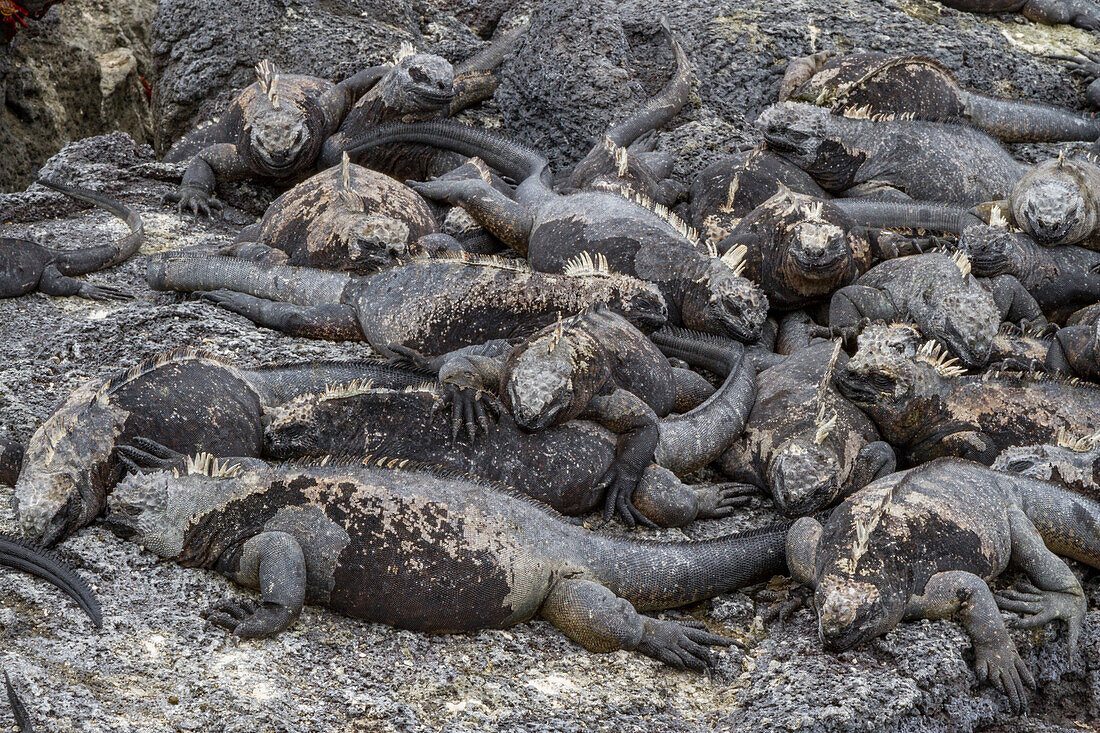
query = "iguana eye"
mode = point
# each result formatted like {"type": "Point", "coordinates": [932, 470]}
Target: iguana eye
{"type": "Point", "coordinates": [418, 75]}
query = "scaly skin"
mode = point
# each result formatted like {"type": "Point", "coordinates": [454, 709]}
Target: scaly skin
{"type": "Point", "coordinates": [805, 444]}
{"type": "Point", "coordinates": [431, 305]}
{"type": "Point", "coordinates": [1062, 279]}
{"type": "Point", "coordinates": [21, 555]}
{"type": "Point", "coordinates": [800, 249]}
{"type": "Point", "coordinates": [637, 238]}
{"type": "Point", "coordinates": [948, 305]}
{"type": "Point", "coordinates": [1058, 202]}
{"type": "Point", "coordinates": [886, 158]}
{"type": "Point", "coordinates": [1080, 13]}
{"type": "Point", "coordinates": [925, 409]}
{"type": "Point", "coordinates": [26, 266]}
{"type": "Point", "coordinates": [1067, 461]}
{"type": "Point", "coordinates": [187, 400]}
{"type": "Point", "coordinates": [926, 542]}
{"type": "Point", "coordinates": [471, 555]}
{"type": "Point", "coordinates": [1075, 352]}
{"type": "Point", "coordinates": [419, 87]}
{"type": "Point", "coordinates": [596, 366]}
{"type": "Point", "coordinates": [917, 86]}
{"type": "Point", "coordinates": [347, 218]}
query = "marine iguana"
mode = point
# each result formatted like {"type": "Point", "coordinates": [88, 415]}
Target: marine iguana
{"type": "Point", "coordinates": [186, 399]}
{"type": "Point", "coordinates": [419, 87]}
{"type": "Point", "coordinates": [926, 406]}
{"type": "Point", "coordinates": [390, 541]}
{"type": "Point", "coordinates": [1086, 66]}
{"type": "Point", "coordinates": [1067, 461]}
{"type": "Point", "coordinates": [624, 154]}
{"type": "Point", "coordinates": [635, 236]}
{"type": "Point", "coordinates": [432, 304]}
{"type": "Point", "coordinates": [560, 466]}
{"type": "Point", "coordinates": [273, 130]}
{"type": "Point", "coordinates": [1075, 352]}
{"type": "Point", "coordinates": [1057, 202]}
{"type": "Point", "coordinates": [1061, 279]}
{"type": "Point", "coordinates": [1081, 13]}
{"type": "Point", "coordinates": [938, 293]}
{"type": "Point", "coordinates": [891, 158]}
{"type": "Point", "coordinates": [805, 444]}
{"type": "Point", "coordinates": [347, 218]}
{"type": "Point", "coordinates": [919, 87]}
{"type": "Point", "coordinates": [925, 543]}
{"type": "Point", "coordinates": [22, 555]}
{"type": "Point", "coordinates": [28, 266]}
{"type": "Point", "coordinates": [594, 365]}
{"type": "Point", "coordinates": [800, 249]}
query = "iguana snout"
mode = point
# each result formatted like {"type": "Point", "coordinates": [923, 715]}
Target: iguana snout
{"type": "Point", "coordinates": [803, 477]}
{"type": "Point", "coordinates": [426, 80]}
{"type": "Point", "coordinates": [538, 391]}
{"type": "Point", "coordinates": [1050, 209]}
{"type": "Point", "coordinates": [279, 138]}
{"type": "Point", "coordinates": [847, 613]}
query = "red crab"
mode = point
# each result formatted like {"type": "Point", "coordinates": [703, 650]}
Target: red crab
{"type": "Point", "coordinates": [13, 15]}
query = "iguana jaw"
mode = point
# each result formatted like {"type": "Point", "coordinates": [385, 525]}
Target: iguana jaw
{"type": "Point", "coordinates": [1053, 210]}
{"type": "Point", "coordinates": [279, 138]}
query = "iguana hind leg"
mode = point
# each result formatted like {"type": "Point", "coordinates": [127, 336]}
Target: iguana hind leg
{"type": "Point", "coordinates": [1015, 303]}
{"type": "Point", "coordinates": [274, 563]}
{"type": "Point", "coordinates": [628, 415]}
{"type": "Point", "coordinates": [509, 221]}
{"type": "Point", "coordinates": [668, 502]}
{"type": "Point", "coordinates": [1080, 13]}
{"type": "Point", "coordinates": [594, 617]}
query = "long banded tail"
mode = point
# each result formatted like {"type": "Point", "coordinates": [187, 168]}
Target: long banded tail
{"type": "Point", "coordinates": [283, 283]}
{"type": "Point", "coordinates": [83, 261]}
{"type": "Point", "coordinates": [279, 384]}
{"type": "Point", "coordinates": [916, 215]}
{"type": "Point", "coordinates": [21, 555]}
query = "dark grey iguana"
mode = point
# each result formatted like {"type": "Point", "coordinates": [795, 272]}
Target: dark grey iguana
{"type": "Point", "coordinates": [805, 444]}
{"type": "Point", "coordinates": [346, 218]}
{"type": "Point", "coordinates": [1075, 352]}
{"type": "Point", "coordinates": [186, 399]}
{"type": "Point", "coordinates": [272, 130]}
{"type": "Point", "coordinates": [389, 541]}
{"type": "Point", "coordinates": [595, 366]}
{"type": "Point", "coordinates": [432, 305]}
{"type": "Point", "coordinates": [22, 555]}
{"type": "Point", "coordinates": [1069, 461]}
{"type": "Point", "coordinates": [28, 266]}
{"type": "Point", "coordinates": [633, 234]}
{"type": "Point", "coordinates": [624, 154]}
{"type": "Point", "coordinates": [1081, 13]}
{"type": "Point", "coordinates": [419, 87]}
{"type": "Point", "coordinates": [938, 293]}
{"type": "Point", "coordinates": [926, 406]}
{"type": "Point", "coordinates": [1062, 279]}
{"type": "Point", "coordinates": [561, 466]}
{"type": "Point", "coordinates": [919, 87]}
{"type": "Point", "coordinates": [800, 249]}
{"type": "Point", "coordinates": [891, 158]}
{"type": "Point", "coordinates": [1086, 66]}
{"type": "Point", "coordinates": [926, 542]}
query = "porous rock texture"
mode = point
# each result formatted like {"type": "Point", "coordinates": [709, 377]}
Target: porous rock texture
{"type": "Point", "coordinates": [154, 667]}
{"type": "Point", "coordinates": [75, 72]}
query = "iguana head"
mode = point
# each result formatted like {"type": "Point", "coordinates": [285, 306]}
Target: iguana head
{"type": "Point", "coordinates": [891, 367]}
{"type": "Point", "coordinates": [68, 466]}
{"type": "Point", "coordinates": [279, 138]}
{"type": "Point", "coordinates": [724, 303]}
{"type": "Point", "coordinates": [1052, 204]}
{"type": "Point", "coordinates": [820, 248]}
{"type": "Point", "coordinates": [422, 83]}
{"type": "Point", "coordinates": [144, 508]}
{"type": "Point", "coordinates": [803, 477]}
{"type": "Point", "coordinates": [548, 375]}
{"type": "Point", "coordinates": [372, 239]}
{"type": "Point", "coordinates": [992, 249]}
{"type": "Point", "coordinates": [852, 611]}
{"type": "Point", "coordinates": [801, 133]}
{"type": "Point", "coordinates": [965, 320]}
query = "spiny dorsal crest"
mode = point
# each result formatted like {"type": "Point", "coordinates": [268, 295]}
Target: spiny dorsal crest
{"type": "Point", "coordinates": [476, 260]}
{"type": "Point", "coordinates": [731, 193]}
{"type": "Point", "coordinates": [345, 171]}
{"type": "Point", "coordinates": [347, 389]}
{"type": "Point", "coordinates": [556, 336]}
{"type": "Point", "coordinates": [405, 50]}
{"type": "Point", "coordinates": [1061, 159]}
{"type": "Point", "coordinates": [865, 527]}
{"type": "Point", "coordinates": [175, 356]}
{"type": "Point", "coordinates": [962, 262]}
{"type": "Point", "coordinates": [352, 202]}
{"type": "Point", "coordinates": [997, 217]}
{"type": "Point", "coordinates": [618, 154]}
{"type": "Point", "coordinates": [813, 211]}
{"type": "Point", "coordinates": [267, 75]}
{"type": "Point", "coordinates": [858, 113]}
{"type": "Point", "coordinates": [734, 258]}
{"type": "Point", "coordinates": [933, 354]}
{"type": "Point", "coordinates": [205, 464]}
{"type": "Point", "coordinates": [1065, 439]}
{"type": "Point", "coordinates": [661, 211]}
{"type": "Point", "coordinates": [585, 265]}
{"type": "Point", "coordinates": [822, 426]}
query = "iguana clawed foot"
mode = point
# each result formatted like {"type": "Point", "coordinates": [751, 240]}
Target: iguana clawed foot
{"type": "Point", "coordinates": [145, 455]}
{"type": "Point", "coordinates": [249, 619]}
{"type": "Point", "coordinates": [785, 603]}
{"type": "Point", "coordinates": [619, 485]}
{"type": "Point", "coordinates": [195, 199]}
{"type": "Point", "coordinates": [401, 355]}
{"type": "Point", "coordinates": [1003, 668]}
{"type": "Point", "coordinates": [1087, 67]}
{"type": "Point", "coordinates": [1038, 607]}
{"type": "Point", "coordinates": [680, 646]}
{"type": "Point", "coordinates": [470, 409]}
{"type": "Point", "coordinates": [722, 500]}
{"type": "Point", "coordinates": [103, 292]}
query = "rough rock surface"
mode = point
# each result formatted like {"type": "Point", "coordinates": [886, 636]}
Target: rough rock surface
{"type": "Point", "coordinates": [74, 73]}
{"type": "Point", "coordinates": [154, 667]}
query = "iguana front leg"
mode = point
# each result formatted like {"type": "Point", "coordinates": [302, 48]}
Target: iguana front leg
{"type": "Point", "coordinates": [668, 502]}
{"type": "Point", "coordinates": [628, 415]}
{"type": "Point", "coordinates": [1055, 592]}
{"type": "Point", "coordinates": [274, 563]}
{"type": "Point", "coordinates": [470, 378]}
{"type": "Point", "coordinates": [962, 594]}
{"type": "Point", "coordinates": [1015, 303]}
{"type": "Point", "coordinates": [338, 101]}
{"type": "Point", "coordinates": [803, 539]}
{"type": "Point", "coordinates": [594, 617]}
{"type": "Point", "coordinates": [853, 303]}
{"type": "Point", "coordinates": [509, 221]}
{"type": "Point", "coordinates": [53, 282]}
{"type": "Point", "coordinates": [1080, 13]}
{"type": "Point", "coordinates": [217, 162]}
{"type": "Point", "coordinates": [335, 322]}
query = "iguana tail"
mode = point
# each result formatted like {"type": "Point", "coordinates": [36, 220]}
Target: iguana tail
{"type": "Point", "coordinates": [20, 554]}
{"type": "Point", "coordinates": [666, 105]}
{"type": "Point", "coordinates": [517, 161]}
{"type": "Point", "coordinates": [1068, 521]}
{"type": "Point", "coordinates": [903, 215]}
{"type": "Point", "coordinates": [83, 261]}
{"type": "Point", "coordinates": [1017, 121]}
{"type": "Point", "coordinates": [692, 440]}
{"type": "Point", "coordinates": [299, 285]}
{"type": "Point", "coordinates": [18, 709]}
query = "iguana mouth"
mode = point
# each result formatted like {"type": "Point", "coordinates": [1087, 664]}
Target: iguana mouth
{"type": "Point", "coordinates": [431, 96]}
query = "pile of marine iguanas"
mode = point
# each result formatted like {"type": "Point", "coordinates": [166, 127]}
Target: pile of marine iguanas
{"type": "Point", "coordinates": [879, 318]}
